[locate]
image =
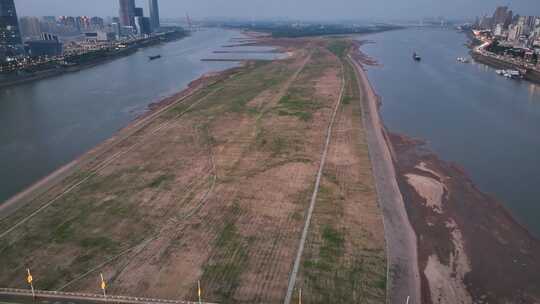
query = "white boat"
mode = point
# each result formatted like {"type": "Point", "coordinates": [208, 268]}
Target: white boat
{"type": "Point", "coordinates": [512, 74]}
{"type": "Point", "coordinates": [462, 60]}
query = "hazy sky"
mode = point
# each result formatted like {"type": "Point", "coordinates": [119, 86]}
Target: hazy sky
{"type": "Point", "coordinates": [296, 9]}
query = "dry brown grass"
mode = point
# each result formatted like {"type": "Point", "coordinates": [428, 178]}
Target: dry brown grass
{"type": "Point", "coordinates": [344, 260]}
{"type": "Point", "coordinates": [213, 190]}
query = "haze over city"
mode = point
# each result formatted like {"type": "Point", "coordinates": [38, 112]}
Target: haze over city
{"type": "Point", "coordinates": [269, 151]}
{"type": "Point", "coordinates": [301, 9]}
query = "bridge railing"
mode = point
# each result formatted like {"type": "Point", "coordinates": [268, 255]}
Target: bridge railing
{"type": "Point", "coordinates": [100, 297]}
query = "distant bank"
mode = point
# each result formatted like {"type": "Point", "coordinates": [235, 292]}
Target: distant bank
{"type": "Point", "coordinates": [530, 75]}
{"type": "Point", "coordinates": [47, 123]}
{"type": "Point", "coordinates": [18, 77]}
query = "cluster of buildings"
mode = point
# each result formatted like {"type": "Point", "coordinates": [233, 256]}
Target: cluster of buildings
{"type": "Point", "coordinates": [52, 35]}
{"type": "Point", "coordinates": [132, 20]}
{"type": "Point", "coordinates": [32, 27]}
{"type": "Point", "coordinates": [511, 29]}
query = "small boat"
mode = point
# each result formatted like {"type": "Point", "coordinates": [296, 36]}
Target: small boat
{"type": "Point", "coordinates": [513, 74]}
{"type": "Point", "coordinates": [416, 57]}
{"type": "Point", "coordinates": [154, 57]}
{"type": "Point", "coordinates": [463, 60]}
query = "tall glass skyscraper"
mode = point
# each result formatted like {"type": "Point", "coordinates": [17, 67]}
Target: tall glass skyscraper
{"type": "Point", "coordinates": [127, 12]}
{"type": "Point", "coordinates": [10, 35]}
{"type": "Point", "coordinates": [154, 14]}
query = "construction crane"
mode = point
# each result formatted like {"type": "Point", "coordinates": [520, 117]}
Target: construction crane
{"type": "Point", "coordinates": [189, 22]}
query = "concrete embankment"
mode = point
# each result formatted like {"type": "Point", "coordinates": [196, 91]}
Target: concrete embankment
{"type": "Point", "coordinates": [530, 75]}
{"type": "Point", "coordinates": [403, 274]}
{"type": "Point", "coordinates": [13, 79]}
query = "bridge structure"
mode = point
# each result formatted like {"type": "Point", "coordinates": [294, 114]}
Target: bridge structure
{"type": "Point", "coordinates": [11, 295]}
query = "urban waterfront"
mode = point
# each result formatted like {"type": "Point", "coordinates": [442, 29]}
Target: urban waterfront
{"type": "Point", "coordinates": [466, 113]}
{"type": "Point", "coordinates": [47, 123]}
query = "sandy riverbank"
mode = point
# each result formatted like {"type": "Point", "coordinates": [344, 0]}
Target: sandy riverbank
{"type": "Point", "coordinates": [470, 247]}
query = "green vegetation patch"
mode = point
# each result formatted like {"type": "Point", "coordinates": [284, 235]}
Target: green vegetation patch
{"type": "Point", "coordinates": [339, 47]}
{"type": "Point", "coordinates": [161, 179]}
{"type": "Point", "coordinates": [242, 88]}
{"type": "Point", "coordinates": [330, 278]}
{"type": "Point", "coordinates": [222, 272]}
{"type": "Point", "coordinates": [296, 104]}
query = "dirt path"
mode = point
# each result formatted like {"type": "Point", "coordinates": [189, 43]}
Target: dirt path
{"type": "Point", "coordinates": [296, 266]}
{"type": "Point", "coordinates": [403, 275]}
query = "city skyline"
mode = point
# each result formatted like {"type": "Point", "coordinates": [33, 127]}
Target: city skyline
{"type": "Point", "coordinates": [153, 7]}
{"type": "Point", "coordinates": [341, 9]}
{"type": "Point", "coordinates": [126, 12]}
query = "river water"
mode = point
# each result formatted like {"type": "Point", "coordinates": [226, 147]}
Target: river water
{"type": "Point", "coordinates": [469, 115]}
{"type": "Point", "coordinates": [48, 123]}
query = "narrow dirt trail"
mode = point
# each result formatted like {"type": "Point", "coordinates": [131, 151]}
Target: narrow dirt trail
{"type": "Point", "coordinates": [296, 265]}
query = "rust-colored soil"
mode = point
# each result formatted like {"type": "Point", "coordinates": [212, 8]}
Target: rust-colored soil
{"type": "Point", "coordinates": [470, 249]}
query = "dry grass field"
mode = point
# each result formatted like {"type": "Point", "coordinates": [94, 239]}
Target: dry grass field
{"type": "Point", "coordinates": [216, 189]}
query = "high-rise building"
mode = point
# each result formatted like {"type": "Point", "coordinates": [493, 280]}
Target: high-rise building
{"type": "Point", "coordinates": [30, 26]}
{"type": "Point", "coordinates": [10, 35]}
{"type": "Point", "coordinates": [501, 19]}
{"type": "Point", "coordinates": [143, 25]}
{"type": "Point", "coordinates": [513, 32]}
{"type": "Point", "coordinates": [127, 12]}
{"type": "Point", "coordinates": [48, 24]}
{"type": "Point", "coordinates": [530, 22]}
{"type": "Point", "coordinates": [486, 22]}
{"type": "Point", "coordinates": [500, 15]}
{"type": "Point", "coordinates": [82, 23]}
{"type": "Point", "coordinates": [97, 23]}
{"type": "Point", "coordinates": [508, 20]}
{"type": "Point", "coordinates": [524, 25]}
{"type": "Point", "coordinates": [117, 29]}
{"type": "Point", "coordinates": [68, 21]}
{"type": "Point", "coordinates": [154, 14]}
{"type": "Point", "coordinates": [499, 30]}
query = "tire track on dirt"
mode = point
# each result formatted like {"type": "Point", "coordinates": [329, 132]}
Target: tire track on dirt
{"type": "Point", "coordinates": [163, 230]}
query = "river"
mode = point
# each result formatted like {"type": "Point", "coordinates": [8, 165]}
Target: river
{"type": "Point", "coordinates": [467, 114]}
{"type": "Point", "coordinates": [47, 123]}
